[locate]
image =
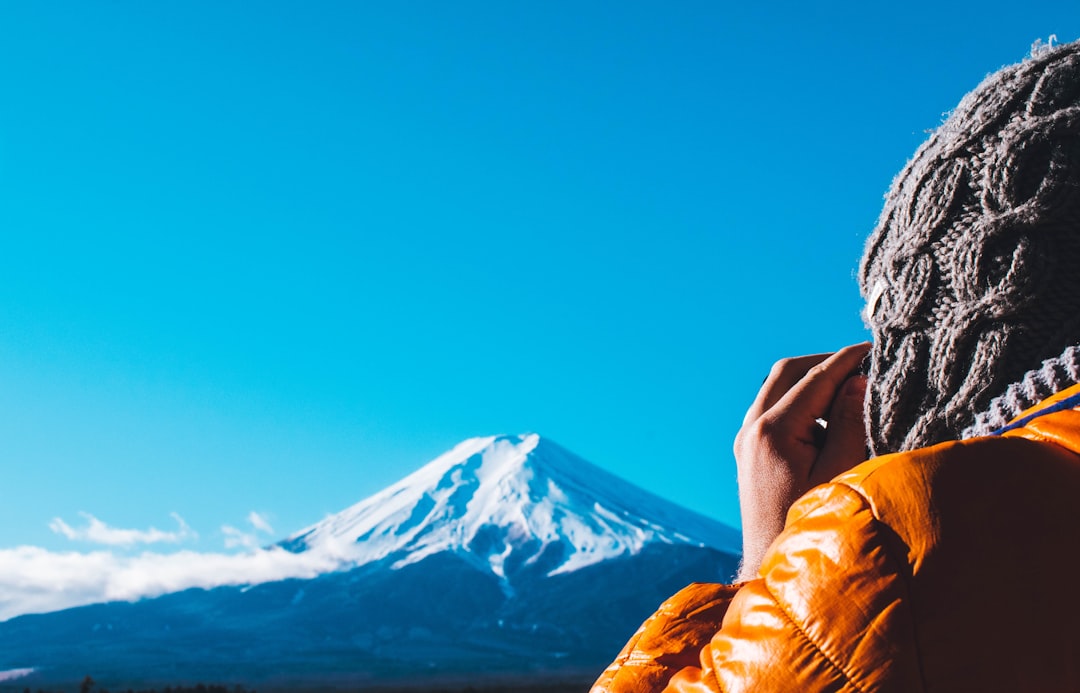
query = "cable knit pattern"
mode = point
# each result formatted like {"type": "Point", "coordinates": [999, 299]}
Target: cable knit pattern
{"type": "Point", "coordinates": [972, 275]}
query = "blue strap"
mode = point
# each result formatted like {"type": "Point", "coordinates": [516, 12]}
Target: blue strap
{"type": "Point", "coordinates": [1067, 403]}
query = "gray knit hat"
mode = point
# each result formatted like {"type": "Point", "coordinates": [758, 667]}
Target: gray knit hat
{"type": "Point", "coordinates": [972, 275]}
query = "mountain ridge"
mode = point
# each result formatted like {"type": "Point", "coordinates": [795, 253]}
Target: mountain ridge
{"type": "Point", "coordinates": [506, 558]}
{"type": "Point", "coordinates": [509, 499]}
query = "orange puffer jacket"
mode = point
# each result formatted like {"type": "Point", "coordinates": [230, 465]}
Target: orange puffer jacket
{"type": "Point", "coordinates": [951, 568]}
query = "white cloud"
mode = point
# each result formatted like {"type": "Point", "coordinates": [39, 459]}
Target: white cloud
{"type": "Point", "coordinates": [98, 532]}
{"type": "Point", "coordinates": [35, 580]}
{"type": "Point", "coordinates": [238, 538]}
{"type": "Point", "coordinates": [12, 674]}
{"type": "Point", "coordinates": [260, 523]}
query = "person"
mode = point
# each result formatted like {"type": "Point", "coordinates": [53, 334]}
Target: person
{"type": "Point", "coordinates": [928, 537]}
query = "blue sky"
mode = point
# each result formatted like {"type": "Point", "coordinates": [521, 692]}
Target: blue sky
{"type": "Point", "coordinates": [271, 257]}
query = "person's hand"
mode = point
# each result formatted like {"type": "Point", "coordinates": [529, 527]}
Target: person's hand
{"type": "Point", "coordinates": [781, 451]}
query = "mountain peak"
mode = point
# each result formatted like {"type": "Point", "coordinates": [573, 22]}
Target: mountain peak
{"type": "Point", "coordinates": [511, 504]}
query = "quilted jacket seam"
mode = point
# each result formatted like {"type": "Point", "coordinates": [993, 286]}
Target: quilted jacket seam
{"type": "Point", "coordinates": [885, 545]}
{"type": "Point", "coordinates": [806, 636]}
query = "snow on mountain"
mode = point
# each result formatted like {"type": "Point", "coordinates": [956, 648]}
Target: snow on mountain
{"type": "Point", "coordinates": [508, 503]}
{"type": "Point", "coordinates": [506, 560]}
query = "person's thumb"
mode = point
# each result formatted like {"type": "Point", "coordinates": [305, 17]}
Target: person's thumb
{"type": "Point", "coordinates": [845, 436]}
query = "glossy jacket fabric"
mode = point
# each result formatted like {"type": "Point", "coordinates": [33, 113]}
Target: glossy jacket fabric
{"type": "Point", "coordinates": [950, 568]}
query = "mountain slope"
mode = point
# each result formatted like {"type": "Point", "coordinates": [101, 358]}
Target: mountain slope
{"type": "Point", "coordinates": [509, 502]}
{"type": "Point", "coordinates": [505, 559]}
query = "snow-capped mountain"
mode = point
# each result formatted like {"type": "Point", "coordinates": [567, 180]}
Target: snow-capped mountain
{"type": "Point", "coordinates": [507, 502]}
{"type": "Point", "coordinates": [507, 559]}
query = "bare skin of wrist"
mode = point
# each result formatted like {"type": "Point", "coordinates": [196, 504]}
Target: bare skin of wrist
{"type": "Point", "coordinates": [781, 451]}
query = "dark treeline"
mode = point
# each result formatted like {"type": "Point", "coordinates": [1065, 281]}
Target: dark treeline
{"type": "Point", "coordinates": [89, 686]}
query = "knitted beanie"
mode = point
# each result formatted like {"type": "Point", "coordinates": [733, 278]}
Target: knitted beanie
{"type": "Point", "coordinates": [972, 275]}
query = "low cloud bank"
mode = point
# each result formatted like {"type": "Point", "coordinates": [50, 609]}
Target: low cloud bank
{"type": "Point", "coordinates": [35, 580]}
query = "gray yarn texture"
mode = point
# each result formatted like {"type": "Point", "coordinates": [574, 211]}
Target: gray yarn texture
{"type": "Point", "coordinates": [972, 275]}
{"type": "Point", "coordinates": [1035, 386]}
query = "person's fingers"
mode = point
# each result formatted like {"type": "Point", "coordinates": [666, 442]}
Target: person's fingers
{"type": "Point", "coordinates": [845, 437]}
{"type": "Point", "coordinates": [776, 455]}
{"type": "Point", "coordinates": [811, 398]}
{"type": "Point", "coordinates": [782, 377]}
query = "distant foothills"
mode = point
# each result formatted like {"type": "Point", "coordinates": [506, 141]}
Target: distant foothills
{"type": "Point", "coordinates": [507, 563]}
{"type": "Point", "coordinates": [88, 685]}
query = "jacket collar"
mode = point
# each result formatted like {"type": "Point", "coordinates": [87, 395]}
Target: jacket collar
{"type": "Point", "coordinates": [1055, 420]}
